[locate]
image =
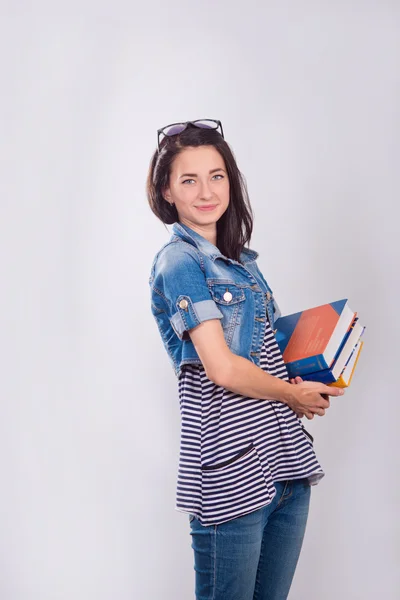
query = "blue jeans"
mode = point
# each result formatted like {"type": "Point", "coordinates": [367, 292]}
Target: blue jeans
{"type": "Point", "coordinates": [253, 557]}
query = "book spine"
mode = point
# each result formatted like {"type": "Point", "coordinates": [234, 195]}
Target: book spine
{"type": "Point", "coordinates": [325, 377]}
{"type": "Point", "coordinates": [307, 365]}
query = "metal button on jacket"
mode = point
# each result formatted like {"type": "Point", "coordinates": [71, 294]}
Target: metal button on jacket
{"type": "Point", "coordinates": [227, 296]}
{"type": "Point", "coordinates": [183, 304]}
{"type": "Point", "coordinates": [269, 296]}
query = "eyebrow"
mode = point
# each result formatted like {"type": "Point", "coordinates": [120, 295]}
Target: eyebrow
{"type": "Point", "coordinates": [195, 174]}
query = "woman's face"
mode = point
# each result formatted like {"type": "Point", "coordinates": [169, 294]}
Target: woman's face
{"type": "Point", "coordinates": [199, 180]}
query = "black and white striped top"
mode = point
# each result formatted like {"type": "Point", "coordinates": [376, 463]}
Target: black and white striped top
{"type": "Point", "coordinates": [233, 448]}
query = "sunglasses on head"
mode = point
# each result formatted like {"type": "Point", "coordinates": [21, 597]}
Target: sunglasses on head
{"type": "Point", "coordinates": [175, 128]}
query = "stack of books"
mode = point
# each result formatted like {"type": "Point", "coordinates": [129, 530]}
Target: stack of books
{"type": "Point", "coordinates": [322, 343]}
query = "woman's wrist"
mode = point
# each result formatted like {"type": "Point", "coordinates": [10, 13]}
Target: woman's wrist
{"type": "Point", "coordinates": [286, 393]}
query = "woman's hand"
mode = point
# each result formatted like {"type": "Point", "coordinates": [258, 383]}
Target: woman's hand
{"type": "Point", "coordinates": [295, 380]}
{"type": "Point", "coordinates": [311, 397]}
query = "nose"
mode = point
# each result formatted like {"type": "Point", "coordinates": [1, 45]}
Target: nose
{"type": "Point", "coordinates": [205, 191]}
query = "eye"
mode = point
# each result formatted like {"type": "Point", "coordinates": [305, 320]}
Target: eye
{"type": "Point", "coordinates": [218, 175]}
{"type": "Point", "coordinates": [187, 180]}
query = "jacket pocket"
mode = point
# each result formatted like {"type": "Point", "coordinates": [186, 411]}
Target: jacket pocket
{"type": "Point", "coordinates": [232, 487]}
{"type": "Point", "coordinates": [226, 293]}
{"type": "Point", "coordinates": [230, 299]}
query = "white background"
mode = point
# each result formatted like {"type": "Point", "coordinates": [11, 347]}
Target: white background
{"type": "Point", "coordinates": [309, 95]}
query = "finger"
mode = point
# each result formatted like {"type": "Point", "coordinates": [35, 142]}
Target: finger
{"type": "Point", "coordinates": [309, 415]}
{"type": "Point", "coordinates": [325, 403]}
{"type": "Point", "coordinates": [317, 410]}
{"type": "Point", "coordinates": [333, 391]}
{"type": "Point", "coordinates": [298, 379]}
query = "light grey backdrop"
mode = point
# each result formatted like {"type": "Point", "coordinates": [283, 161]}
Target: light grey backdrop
{"type": "Point", "coordinates": [308, 93]}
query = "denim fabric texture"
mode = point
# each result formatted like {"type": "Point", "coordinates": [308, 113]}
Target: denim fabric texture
{"type": "Point", "coordinates": [252, 557]}
{"type": "Point", "coordinates": [191, 282]}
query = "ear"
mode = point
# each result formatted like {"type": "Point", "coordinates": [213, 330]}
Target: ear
{"type": "Point", "coordinates": [167, 195]}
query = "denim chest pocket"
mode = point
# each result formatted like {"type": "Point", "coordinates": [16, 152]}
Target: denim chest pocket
{"type": "Point", "coordinates": [226, 293]}
{"type": "Point", "coordinates": [230, 299]}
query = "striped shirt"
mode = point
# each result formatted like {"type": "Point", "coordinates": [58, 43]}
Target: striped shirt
{"type": "Point", "coordinates": [233, 448]}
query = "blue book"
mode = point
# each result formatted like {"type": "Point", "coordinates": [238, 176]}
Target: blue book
{"type": "Point", "coordinates": [311, 339]}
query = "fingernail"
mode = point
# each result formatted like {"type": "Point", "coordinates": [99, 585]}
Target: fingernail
{"type": "Point", "coordinates": [341, 392]}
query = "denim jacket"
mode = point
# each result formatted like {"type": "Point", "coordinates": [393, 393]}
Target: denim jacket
{"type": "Point", "coordinates": [191, 282]}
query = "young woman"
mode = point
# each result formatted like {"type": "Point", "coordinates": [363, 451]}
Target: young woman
{"type": "Point", "coordinates": [246, 461]}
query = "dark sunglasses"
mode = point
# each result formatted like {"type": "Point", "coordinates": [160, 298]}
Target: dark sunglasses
{"type": "Point", "coordinates": [175, 128]}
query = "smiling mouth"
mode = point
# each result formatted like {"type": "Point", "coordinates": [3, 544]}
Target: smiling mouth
{"type": "Point", "coordinates": [205, 208]}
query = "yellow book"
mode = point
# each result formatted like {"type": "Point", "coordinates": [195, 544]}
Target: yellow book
{"type": "Point", "coordinates": [348, 372]}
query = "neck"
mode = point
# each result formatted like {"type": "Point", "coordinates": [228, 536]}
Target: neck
{"type": "Point", "coordinates": [209, 232]}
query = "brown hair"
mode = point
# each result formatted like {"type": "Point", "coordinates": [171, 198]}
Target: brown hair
{"type": "Point", "coordinates": [235, 227]}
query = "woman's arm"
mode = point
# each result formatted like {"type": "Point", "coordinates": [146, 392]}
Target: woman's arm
{"type": "Point", "coordinates": [241, 376]}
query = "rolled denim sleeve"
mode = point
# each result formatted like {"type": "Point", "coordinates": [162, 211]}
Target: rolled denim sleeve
{"type": "Point", "coordinates": [179, 285]}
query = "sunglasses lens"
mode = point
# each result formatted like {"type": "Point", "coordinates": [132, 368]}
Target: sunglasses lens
{"type": "Point", "coordinates": [206, 124]}
{"type": "Point", "coordinates": [174, 129]}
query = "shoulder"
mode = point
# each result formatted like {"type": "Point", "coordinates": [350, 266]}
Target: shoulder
{"type": "Point", "coordinates": [175, 255]}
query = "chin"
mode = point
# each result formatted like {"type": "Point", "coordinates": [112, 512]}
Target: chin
{"type": "Point", "coordinates": [209, 220]}
{"type": "Point", "coordinates": [211, 216]}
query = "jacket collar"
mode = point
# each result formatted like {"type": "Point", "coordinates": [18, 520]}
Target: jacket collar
{"type": "Point", "coordinates": [192, 237]}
